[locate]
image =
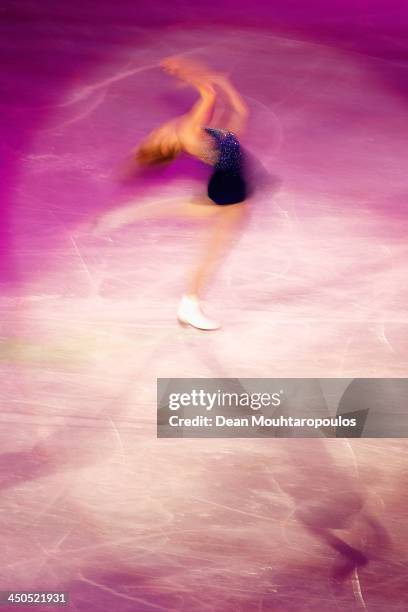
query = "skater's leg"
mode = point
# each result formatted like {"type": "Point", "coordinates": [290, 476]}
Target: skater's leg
{"type": "Point", "coordinates": [220, 236]}
{"type": "Point", "coordinates": [134, 212]}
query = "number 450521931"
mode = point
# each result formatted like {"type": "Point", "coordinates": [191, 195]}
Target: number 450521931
{"type": "Point", "coordinates": [33, 598]}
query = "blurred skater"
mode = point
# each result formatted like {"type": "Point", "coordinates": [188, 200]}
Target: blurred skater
{"type": "Point", "coordinates": [222, 210]}
{"type": "Point", "coordinates": [332, 504]}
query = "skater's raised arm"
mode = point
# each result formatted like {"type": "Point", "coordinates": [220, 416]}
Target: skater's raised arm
{"type": "Point", "coordinates": [202, 111]}
{"type": "Point", "coordinates": [239, 116]}
{"type": "Point", "coordinates": [200, 77]}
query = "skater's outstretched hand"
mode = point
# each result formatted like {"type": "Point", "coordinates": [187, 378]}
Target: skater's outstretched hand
{"type": "Point", "coordinates": [191, 71]}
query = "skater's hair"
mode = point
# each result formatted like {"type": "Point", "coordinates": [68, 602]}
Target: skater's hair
{"type": "Point", "coordinates": [154, 156]}
{"type": "Point", "coordinates": [157, 150]}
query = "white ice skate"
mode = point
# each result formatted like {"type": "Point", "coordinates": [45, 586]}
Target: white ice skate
{"type": "Point", "coordinates": [190, 313]}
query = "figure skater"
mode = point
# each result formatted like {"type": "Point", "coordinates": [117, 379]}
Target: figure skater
{"type": "Point", "coordinates": [228, 187]}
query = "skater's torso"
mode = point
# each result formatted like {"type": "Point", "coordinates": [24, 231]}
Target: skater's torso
{"type": "Point", "coordinates": [222, 150]}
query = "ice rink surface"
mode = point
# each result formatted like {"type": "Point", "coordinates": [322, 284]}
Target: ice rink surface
{"type": "Point", "coordinates": [91, 502]}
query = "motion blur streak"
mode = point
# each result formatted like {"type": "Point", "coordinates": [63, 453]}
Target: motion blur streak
{"type": "Point", "coordinates": [92, 503]}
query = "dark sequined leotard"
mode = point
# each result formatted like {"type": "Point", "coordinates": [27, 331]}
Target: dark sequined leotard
{"type": "Point", "coordinates": [227, 184]}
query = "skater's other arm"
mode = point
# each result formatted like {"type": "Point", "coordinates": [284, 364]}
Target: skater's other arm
{"type": "Point", "coordinates": [239, 116]}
